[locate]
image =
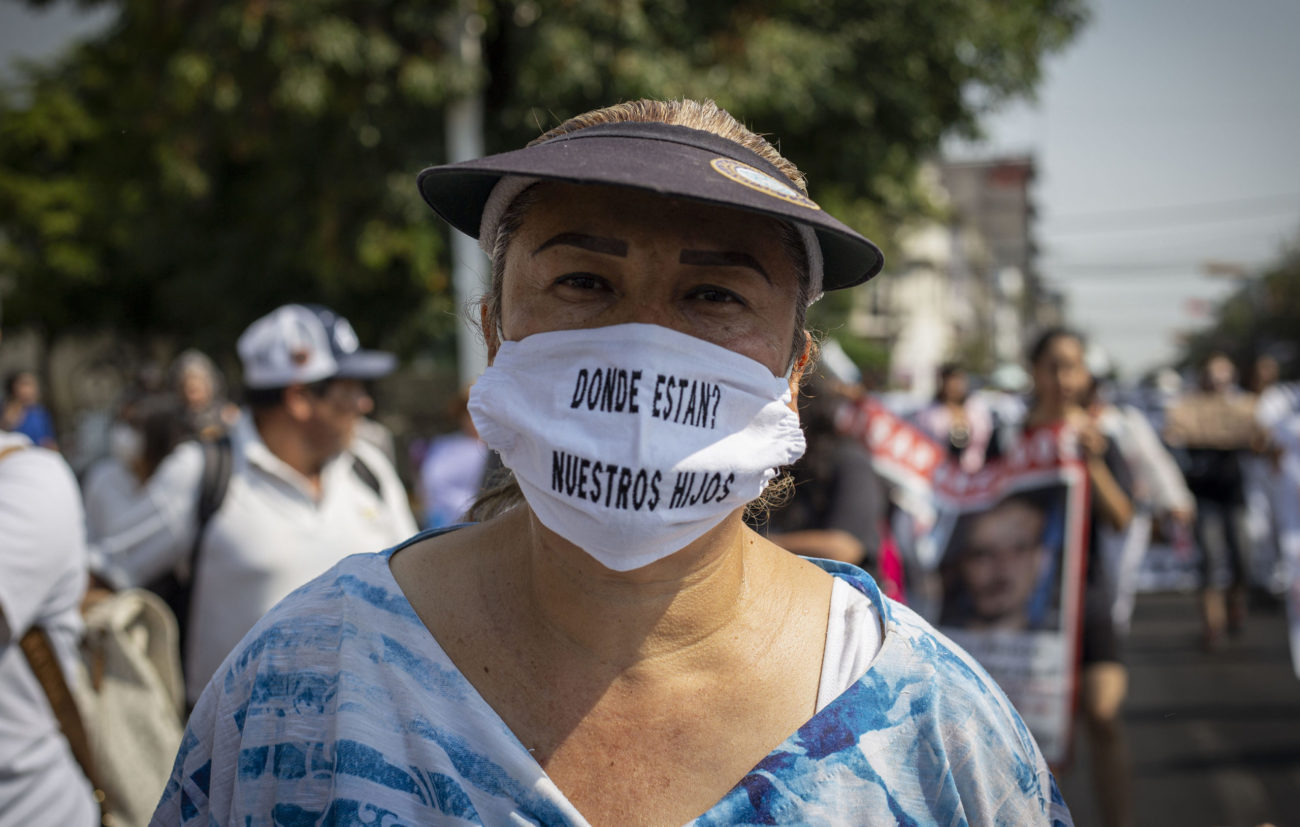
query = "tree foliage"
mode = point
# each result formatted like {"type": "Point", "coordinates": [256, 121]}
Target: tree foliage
{"type": "Point", "coordinates": [200, 162]}
{"type": "Point", "coordinates": [1261, 317]}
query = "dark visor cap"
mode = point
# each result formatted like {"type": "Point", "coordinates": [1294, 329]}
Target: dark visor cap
{"type": "Point", "coordinates": [673, 161]}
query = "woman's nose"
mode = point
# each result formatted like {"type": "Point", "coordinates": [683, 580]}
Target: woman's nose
{"type": "Point", "coordinates": [645, 309]}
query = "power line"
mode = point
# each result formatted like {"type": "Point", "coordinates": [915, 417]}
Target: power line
{"type": "Point", "coordinates": [1126, 266]}
{"type": "Point", "coordinates": [1287, 199]}
{"type": "Point", "coordinates": [1178, 220]}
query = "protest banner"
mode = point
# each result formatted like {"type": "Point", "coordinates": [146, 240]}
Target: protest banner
{"type": "Point", "coordinates": [1012, 542]}
{"type": "Point", "coordinates": [1212, 421]}
{"type": "Point", "coordinates": [1005, 551]}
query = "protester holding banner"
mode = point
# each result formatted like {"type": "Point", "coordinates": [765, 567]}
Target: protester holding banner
{"type": "Point", "coordinates": [1061, 381]}
{"type": "Point", "coordinates": [616, 646]}
{"type": "Point", "coordinates": [957, 420]}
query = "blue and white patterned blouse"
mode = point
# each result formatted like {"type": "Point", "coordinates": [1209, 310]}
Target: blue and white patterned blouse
{"type": "Point", "coordinates": [340, 708]}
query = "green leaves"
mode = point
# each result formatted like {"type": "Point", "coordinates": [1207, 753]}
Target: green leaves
{"type": "Point", "coordinates": [197, 168]}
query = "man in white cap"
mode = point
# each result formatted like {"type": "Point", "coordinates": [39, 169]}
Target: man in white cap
{"type": "Point", "coordinates": [300, 495]}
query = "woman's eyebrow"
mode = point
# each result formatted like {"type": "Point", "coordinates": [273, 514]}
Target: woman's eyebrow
{"type": "Point", "coordinates": [718, 258]}
{"type": "Point", "coordinates": [594, 243]}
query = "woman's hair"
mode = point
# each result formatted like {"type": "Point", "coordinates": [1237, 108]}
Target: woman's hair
{"type": "Point", "coordinates": [946, 371]}
{"type": "Point", "coordinates": [702, 115]}
{"type": "Point", "coordinates": [1045, 339]}
{"type": "Point", "coordinates": [11, 382]}
{"type": "Point", "coordinates": [196, 360]}
{"type": "Point", "coordinates": [160, 419]}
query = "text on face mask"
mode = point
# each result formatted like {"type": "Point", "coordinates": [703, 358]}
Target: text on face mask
{"type": "Point", "coordinates": [622, 488]}
{"type": "Point", "coordinates": [677, 400]}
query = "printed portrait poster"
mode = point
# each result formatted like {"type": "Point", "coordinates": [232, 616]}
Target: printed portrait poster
{"type": "Point", "coordinates": [1011, 541]}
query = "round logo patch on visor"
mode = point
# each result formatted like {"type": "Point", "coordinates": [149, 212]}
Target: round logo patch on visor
{"type": "Point", "coordinates": [760, 181]}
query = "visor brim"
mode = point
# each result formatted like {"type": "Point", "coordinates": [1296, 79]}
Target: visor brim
{"type": "Point", "coordinates": [675, 162]}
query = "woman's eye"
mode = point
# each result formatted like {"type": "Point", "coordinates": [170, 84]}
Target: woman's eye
{"type": "Point", "coordinates": [711, 293]}
{"type": "Point", "coordinates": [581, 281]}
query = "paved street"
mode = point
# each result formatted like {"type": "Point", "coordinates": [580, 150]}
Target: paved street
{"type": "Point", "coordinates": [1215, 738]}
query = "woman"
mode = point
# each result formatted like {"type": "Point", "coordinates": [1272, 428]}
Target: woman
{"type": "Point", "coordinates": [958, 421]}
{"type": "Point", "coordinates": [201, 389]}
{"type": "Point", "coordinates": [1061, 383]}
{"type": "Point", "coordinates": [23, 412]}
{"type": "Point", "coordinates": [615, 646]}
{"type": "Point", "coordinates": [147, 429]}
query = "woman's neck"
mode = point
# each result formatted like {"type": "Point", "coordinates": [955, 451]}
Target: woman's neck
{"type": "Point", "coordinates": [1046, 413]}
{"type": "Point", "coordinates": [674, 608]}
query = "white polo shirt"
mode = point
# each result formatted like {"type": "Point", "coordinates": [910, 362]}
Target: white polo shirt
{"type": "Point", "coordinates": [270, 536]}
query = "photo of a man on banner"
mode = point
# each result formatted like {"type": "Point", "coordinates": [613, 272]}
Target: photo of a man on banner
{"type": "Point", "coordinates": [1011, 572]}
{"type": "Point", "coordinates": [1002, 568]}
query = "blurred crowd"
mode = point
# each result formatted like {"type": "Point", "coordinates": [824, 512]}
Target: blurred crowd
{"type": "Point", "coordinates": [223, 509]}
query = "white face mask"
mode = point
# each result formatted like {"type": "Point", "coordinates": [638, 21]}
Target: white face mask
{"type": "Point", "coordinates": [125, 443]}
{"type": "Point", "coordinates": [631, 441]}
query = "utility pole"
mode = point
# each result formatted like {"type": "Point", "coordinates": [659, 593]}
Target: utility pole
{"type": "Point", "coordinates": [469, 266]}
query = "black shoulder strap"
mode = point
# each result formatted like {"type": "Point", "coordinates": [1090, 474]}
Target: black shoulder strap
{"type": "Point", "coordinates": [367, 476]}
{"type": "Point", "coordinates": [217, 464]}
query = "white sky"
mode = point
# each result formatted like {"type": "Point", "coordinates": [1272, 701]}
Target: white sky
{"type": "Point", "coordinates": [1166, 135]}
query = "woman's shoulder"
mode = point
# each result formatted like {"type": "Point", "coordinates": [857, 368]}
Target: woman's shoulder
{"type": "Point", "coordinates": [926, 719]}
{"type": "Point", "coordinates": [345, 636]}
{"type": "Point", "coordinates": [319, 622]}
{"type": "Point", "coordinates": [913, 649]}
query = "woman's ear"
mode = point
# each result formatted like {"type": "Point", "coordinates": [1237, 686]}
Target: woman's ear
{"type": "Point", "coordinates": [489, 329]}
{"type": "Point", "coordinates": [797, 371]}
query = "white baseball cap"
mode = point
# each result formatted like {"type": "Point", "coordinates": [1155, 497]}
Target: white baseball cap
{"type": "Point", "coordinates": [304, 343]}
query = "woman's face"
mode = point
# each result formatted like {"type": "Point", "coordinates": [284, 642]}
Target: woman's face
{"type": "Point", "coordinates": [589, 257]}
{"type": "Point", "coordinates": [1060, 375]}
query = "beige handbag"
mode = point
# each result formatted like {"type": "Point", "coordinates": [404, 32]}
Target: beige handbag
{"type": "Point", "coordinates": [123, 718]}
{"type": "Point", "coordinates": [131, 698]}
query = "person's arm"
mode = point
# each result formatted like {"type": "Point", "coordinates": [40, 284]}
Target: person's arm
{"type": "Point", "coordinates": [155, 533]}
{"type": "Point", "coordinates": [1111, 487]}
{"type": "Point", "coordinates": [1168, 488]}
{"type": "Point", "coordinates": [1112, 497]}
{"type": "Point", "coordinates": [41, 536]}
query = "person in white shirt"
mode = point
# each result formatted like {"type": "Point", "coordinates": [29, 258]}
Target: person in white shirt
{"type": "Point", "coordinates": [302, 492]}
{"type": "Point", "coordinates": [42, 580]}
{"type": "Point", "coordinates": [146, 430]}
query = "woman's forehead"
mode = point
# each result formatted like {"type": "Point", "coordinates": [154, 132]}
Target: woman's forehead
{"type": "Point", "coordinates": [560, 207]}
